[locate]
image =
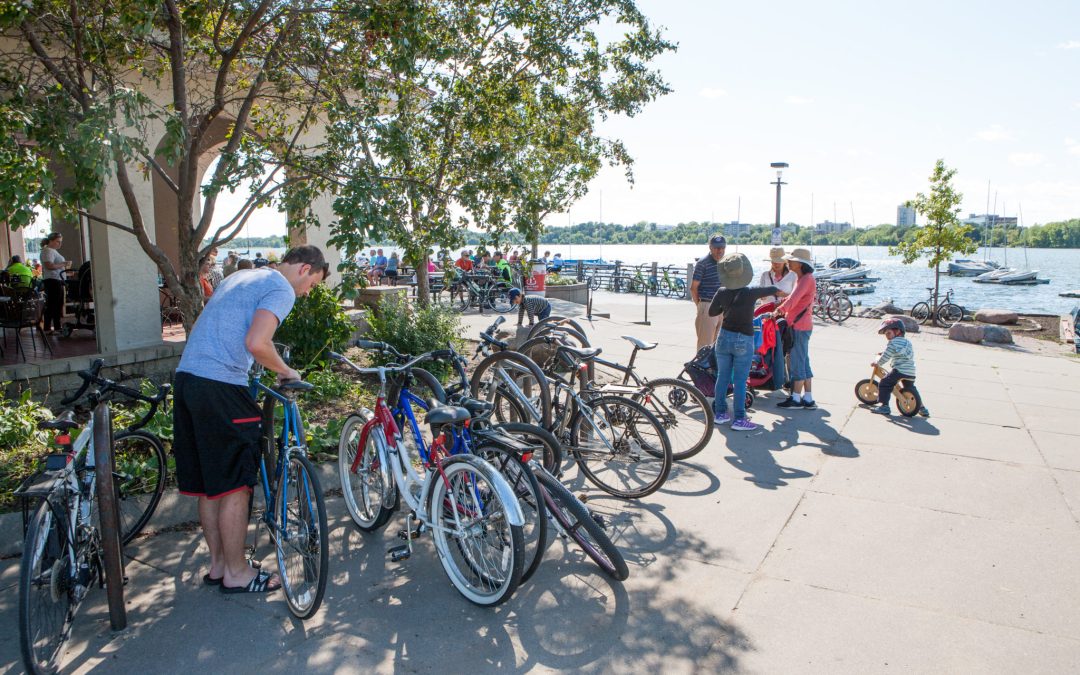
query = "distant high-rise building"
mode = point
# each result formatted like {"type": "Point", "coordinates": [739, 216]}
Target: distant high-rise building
{"type": "Point", "coordinates": [829, 227]}
{"type": "Point", "coordinates": [905, 216]}
{"type": "Point", "coordinates": [736, 229]}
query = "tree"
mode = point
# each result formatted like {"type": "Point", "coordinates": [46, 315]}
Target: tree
{"type": "Point", "coordinates": [483, 115]}
{"type": "Point", "coordinates": [943, 235]}
{"type": "Point", "coordinates": [96, 91]}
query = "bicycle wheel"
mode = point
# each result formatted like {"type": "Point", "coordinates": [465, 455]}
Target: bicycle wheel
{"type": "Point", "coordinates": [139, 471]}
{"type": "Point", "coordinates": [679, 288]}
{"type": "Point", "coordinates": [46, 591]}
{"type": "Point", "coordinates": [498, 299]}
{"type": "Point", "coordinates": [908, 402]}
{"type": "Point", "coordinates": [620, 446]}
{"type": "Point", "coordinates": [684, 412]}
{"type": "Point", "coordinates": [559, 321]}
{"type": "Point", "coordinates": [551, 451]}
{"type": "Point", "coordinates": [594, 282]}
{"type": "Point", "coordinates": [523, 482]}
{"type": "Point", "coordinates": [840, 308]}
{"type": "Point", "coordinates": [577, 522]}
{"type": "Point", "coordinates": [368, 488]}
{"type": "Point", "coordinates": [866, 391]}
{"type": "Point", "coordinates": [949, 314]}
{"type": "Point", "coordinates": [920, 312]}
{"type": "Point", "coordinates": [510, 375]}
{"type": "Point", "coordinates": [480, 550]}
{"type": "Point", "coordinates": [302, 538]}
{"type": "Point", "coordinates": [575, 337]}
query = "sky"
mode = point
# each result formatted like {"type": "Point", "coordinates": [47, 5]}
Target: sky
{"type": "Point", "coordinates": [860, 98]}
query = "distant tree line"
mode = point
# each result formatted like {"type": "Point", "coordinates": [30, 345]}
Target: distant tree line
{"type": "Point", "coordinates": [241, 243]}
{"type": "Point", "coordinates": [1064, 234]}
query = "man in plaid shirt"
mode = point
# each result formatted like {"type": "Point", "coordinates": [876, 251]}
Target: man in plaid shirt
{"type": "Point", "coordinates": [536, 306]}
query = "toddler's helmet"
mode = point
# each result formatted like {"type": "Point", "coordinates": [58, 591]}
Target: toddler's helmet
{"type": "Point", "coordinates": [892, 324]}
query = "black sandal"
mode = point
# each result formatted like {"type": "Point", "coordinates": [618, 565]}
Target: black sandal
{"type": "Point", "coordinates": [260, 583]}
{"type": "Point", "coordinates": [211, 581]}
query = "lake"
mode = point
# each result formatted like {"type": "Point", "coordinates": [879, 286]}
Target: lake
{"type": "Point", "coordinates": [903, 284]}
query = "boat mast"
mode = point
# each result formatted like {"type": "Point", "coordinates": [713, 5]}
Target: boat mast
{"type": "Point", "coordinates": [812, 257]}
{"type": "Point", "coordinates": [986, 226]}
{"type": "Point", "coordinates": [856, 239]}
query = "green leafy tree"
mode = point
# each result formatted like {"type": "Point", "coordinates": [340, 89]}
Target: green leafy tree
{"type": "Point", "coordinates": [943, 235]}
{"type": "Point", "coordinates": [96, 92]}
{"type": "Point", "coordinates": [483, 117]}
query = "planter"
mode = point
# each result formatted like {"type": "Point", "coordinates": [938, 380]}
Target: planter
{"type": "Point", "coordinates": [576, 293]}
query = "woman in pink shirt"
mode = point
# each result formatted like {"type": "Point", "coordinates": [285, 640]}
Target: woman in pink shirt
{"type": "Point", "coordinates": [798, 308]}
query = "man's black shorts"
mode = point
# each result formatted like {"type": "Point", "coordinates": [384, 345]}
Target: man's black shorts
{"type": "Point", "coordinates": [217, 428]}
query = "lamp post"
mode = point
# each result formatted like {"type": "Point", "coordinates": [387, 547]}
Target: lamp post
{"type": "Point", "coordinates": [779, 166]}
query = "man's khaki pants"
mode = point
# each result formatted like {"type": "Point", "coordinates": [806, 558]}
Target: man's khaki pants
{"type": "Point", "coordinates": [705, 325]}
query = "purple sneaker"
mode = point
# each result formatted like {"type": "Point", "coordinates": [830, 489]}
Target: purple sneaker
{"type": "Point", "coordinates": [744, 424]}
{"type": "Point", "coordinates": [722, 418]}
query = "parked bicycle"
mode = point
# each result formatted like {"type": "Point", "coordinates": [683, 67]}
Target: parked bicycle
{"type": "Point", "coordinates": [294, 510]}
{"type": "Point", "coordinates": [831, 302]}
{"type": "Point", "coordinates": [469, 508]}
{"type": "Point", "coordinates": [481, 291]}
{"type": "Point", "coordinates": [64, 552]}
{"type": "Point", "coordinates": [946, 312]}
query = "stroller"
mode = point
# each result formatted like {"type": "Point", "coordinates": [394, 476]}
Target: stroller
{"type": "Point", "coordinates": [767, 370]}
{"type": "Point", "coordinates": [701, 372]}
{"type": "Point", "coordinates": [83, 297]}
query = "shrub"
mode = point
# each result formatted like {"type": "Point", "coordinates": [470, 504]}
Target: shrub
{"type": "Point", "coordinates": [555, 279]}
{"type": "Point", "coordinates": [21, 444]}
{"type": "Point", "coordinates": [316, 324]}
{"type": "Point", "coordinates": [329, 386]}
{"type": "Point", "coordinates": [415, 330]}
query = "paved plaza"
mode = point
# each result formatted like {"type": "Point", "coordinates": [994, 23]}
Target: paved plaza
{"type": "Point", "coordinates": [828, 541]}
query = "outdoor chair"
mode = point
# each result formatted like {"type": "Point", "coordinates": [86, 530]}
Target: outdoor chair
{"type": "Point", "coordinates": [25, 312]}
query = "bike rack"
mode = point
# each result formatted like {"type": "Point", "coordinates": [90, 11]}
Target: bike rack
{"type": "Point", "coordinates": [109, 516]}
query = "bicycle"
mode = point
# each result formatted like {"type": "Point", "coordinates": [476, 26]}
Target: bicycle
{"type": "Point", "coordinates": [294, 510]}
{"type": "Point", "coordinates": [830, 302]}
{"type": "Point", "coordinates": [908, 400]}
{"type": "Point", "coordinates": [671, 285]}
{"type": "Point", "coordinates": [510, 380]}
{"type": "Point", "coordinates": [477, 290]}
{"type": "Point", "coordinates": [469, 508]}
{"type": "Point", "coordinates": [947, 313]}
{"type": "Point", "coordinates": [64, 552]}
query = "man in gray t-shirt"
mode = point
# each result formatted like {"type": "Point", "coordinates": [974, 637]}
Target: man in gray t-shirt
{"type": "Point", "coordinates": [217, 427]}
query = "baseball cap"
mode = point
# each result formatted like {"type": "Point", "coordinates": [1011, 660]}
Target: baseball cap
{"type": "Point", "coordinates": [892, 324]}
{"type": "Point", "coordinates": [718, 242]}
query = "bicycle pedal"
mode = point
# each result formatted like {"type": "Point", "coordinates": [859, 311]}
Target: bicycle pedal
{"type": "Point", "coordinates": [409, 534]}
{"type": "Point", "coordinates": [399, 553]}
{"type": "Point", "coordinates": [582, 497]}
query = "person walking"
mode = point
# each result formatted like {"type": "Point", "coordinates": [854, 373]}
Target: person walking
{"type": "Point", "coordinates": [797, 308]}
{"type": "Point", "coordinates": [735, 343]}
{"type": "Point", "coordinates": [704, 285]}
{"type": "Point", "coordinates": [777, 275]}
{"type": "Point", "coordinates": [53, 265]}
{"type": "Point", "coordinates": [217, 425]}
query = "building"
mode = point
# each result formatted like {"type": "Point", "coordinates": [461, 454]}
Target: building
{"type": "Point", "coordinates": [905, 216]}
{"type": "Point", "coordinates": [829, 227]}
{"type": "Point", "coordinates": [736, 229]}
{"type": "Point", "coordinates": [980, 220]}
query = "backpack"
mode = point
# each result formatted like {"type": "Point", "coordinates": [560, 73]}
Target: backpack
{"type": "Point", "coordinates": [702, 370]}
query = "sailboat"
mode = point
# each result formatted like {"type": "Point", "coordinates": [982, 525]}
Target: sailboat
{"type": "Point", "coordinates": [1011, 277]}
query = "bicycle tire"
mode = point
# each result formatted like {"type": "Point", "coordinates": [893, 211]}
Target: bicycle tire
{"type": "Point", "coordinates": [140, 474]}
{"type": "Point", "coordinates": [866, 391]}
{"type": "Point", "coordinates": [840, 308]}
{"type": "Point", "coordinates": [460, 492]}
{"type": "Point", "coordinates": [920, 312]}
{"type": "Point", "coordinates": [630, 444]}
{"type": "Point", "coordinates": [303, 580]}
{"type": "Point", "coordinates": [594, 282]}
{"type": "Point", "coordinates": [579, 524]}
{"type": "Point", "coordinates": [552, 456]}
{"type": "Point", "coordinates": [521, 479]}
{"type": "Point", "coordinates": [908, 402]}
{"type": "Point", "coordinates": [682, 404]}
{"type": "Point", "coordinates": [498, 299]}
{"type": "Point", "coordinates": [46, 591]}
{"type": "Point", "coordinates": [562, 331]}
{"type": "Point", "coordinates": [949, 314]}
{"type": "Point", "coordinates": [536, 389]}
{"type": "Point", "coordinates": [365, 491]}
{"type": "Point", "coordinates": [543, 324]}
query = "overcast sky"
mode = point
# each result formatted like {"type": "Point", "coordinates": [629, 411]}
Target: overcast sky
{"type": "Point", "coordinates": [860, 98]}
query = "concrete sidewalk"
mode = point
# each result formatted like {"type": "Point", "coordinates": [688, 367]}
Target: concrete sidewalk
{"type": "Point", "coordinates": [829, 541]}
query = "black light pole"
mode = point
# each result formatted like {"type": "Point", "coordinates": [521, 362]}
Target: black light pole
{"type": "Point", "coordinates": [779, 166]}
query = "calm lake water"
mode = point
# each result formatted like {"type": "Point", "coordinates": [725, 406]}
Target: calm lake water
{"type": "Point", "coordinates": [903, 284]}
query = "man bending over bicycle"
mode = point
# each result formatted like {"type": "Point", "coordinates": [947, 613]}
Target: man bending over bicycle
{"type": "Point", "coordinates": [217, 424]}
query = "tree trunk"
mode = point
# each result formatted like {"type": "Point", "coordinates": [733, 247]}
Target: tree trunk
{"type": "Point", "coordinates": [423, 293]}
{"type": "Point", "coordinates": [934, 306]}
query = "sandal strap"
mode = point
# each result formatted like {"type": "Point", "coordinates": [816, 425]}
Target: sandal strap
{"type": "Point", "coordinates": [260, 582]}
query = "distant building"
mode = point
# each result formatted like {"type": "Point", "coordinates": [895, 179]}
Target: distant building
{"type": "Point", "coordinates": [992, 220]}
{"type": "Point", "coordinates": [829, 227]}
{"type": "Point", "coordinates": [905, 216]}
{"type": "Point", "coordinates": [736, 229]}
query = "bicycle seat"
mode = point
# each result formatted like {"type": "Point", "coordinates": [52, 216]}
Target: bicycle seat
{"type": "Point", "coordinates": [295, 385]}
{"type": "Point", "coordinates": [65, 422]}
{"type": "Point", "coordinates": [447, 414]}
{"type": "Point", "coordinates": [583, 354]}
{"type": "Point", "coordinates": [645, 346]}
{"type": "Point", "coordinates": [475, 406]}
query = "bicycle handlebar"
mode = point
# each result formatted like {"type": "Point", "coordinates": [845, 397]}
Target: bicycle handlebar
{"type": "Point", "coordinates": [106, 386]}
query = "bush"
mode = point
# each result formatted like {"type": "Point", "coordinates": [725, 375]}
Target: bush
{"type": "Point", "coordinates": [329, 386]}
{"type": "Point", "coordinates": [21, 444]}
{"type": "Point", "coordinates": [555, 279]}
{"type": "Point", "coordinates": [317, 324]}
{"type": "Point", "coordinates": [414, 330]}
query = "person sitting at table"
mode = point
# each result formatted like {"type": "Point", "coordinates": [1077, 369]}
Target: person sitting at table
{"type": "Point", "coordinates": [392, 268]}
{"type": "Point", "coordinates": [21, 275]}
{"type": "Point", "coordinates": [464, 263]}
{"type": "Point", "coordinates": [556, 262]}
{"type": "Point", "coordinates": [378, 268]}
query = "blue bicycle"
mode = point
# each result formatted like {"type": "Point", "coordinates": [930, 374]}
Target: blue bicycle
{"type": "Point", "coordinates": [295, 511]}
